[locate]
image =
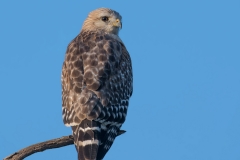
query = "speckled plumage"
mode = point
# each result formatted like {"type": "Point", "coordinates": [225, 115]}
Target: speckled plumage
{"type": "Point", "coordinates": [96, 86]}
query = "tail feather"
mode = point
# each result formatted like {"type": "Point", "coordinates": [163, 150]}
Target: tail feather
{"type": "Point", "coordinates": [86, 139]}
{"type": "Point", "coordinates": [107, 141]}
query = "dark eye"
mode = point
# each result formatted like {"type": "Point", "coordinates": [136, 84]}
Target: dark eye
{"type": "Point", "coordinates": [105, 18]}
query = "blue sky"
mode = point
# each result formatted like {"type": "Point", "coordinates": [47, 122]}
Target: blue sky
{"type": "Point", "coordinates": [186, 65]}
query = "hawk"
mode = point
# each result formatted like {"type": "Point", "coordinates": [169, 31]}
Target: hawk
{"type": "Point", "coordinates": [97, 83]}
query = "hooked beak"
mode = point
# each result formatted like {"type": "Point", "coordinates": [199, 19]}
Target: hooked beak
{"type": "Point", "coordinates": [117, 23]}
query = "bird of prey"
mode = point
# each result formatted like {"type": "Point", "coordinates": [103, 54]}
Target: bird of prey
{"type": "Point", "coordinates": [97, 83]}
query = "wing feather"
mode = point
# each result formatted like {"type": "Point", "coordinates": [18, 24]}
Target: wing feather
{"type": "Point", "coordinates": [96, 87]}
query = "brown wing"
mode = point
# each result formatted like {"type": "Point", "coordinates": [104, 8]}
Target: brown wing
{"type": "Point", "coordinates": [96, 87]}
{"type": "Point", "coordinates": [96, 79]}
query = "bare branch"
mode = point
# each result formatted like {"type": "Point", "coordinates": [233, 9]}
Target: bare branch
{"type": "Point", "coordinates": [40, 147]}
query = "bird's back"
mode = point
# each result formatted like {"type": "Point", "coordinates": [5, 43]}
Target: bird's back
{"type": "Point", "coordinates": [96, 87]}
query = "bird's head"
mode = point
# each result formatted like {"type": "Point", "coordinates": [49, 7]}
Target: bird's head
{"type": "Point", "coordinates": [103, 20]}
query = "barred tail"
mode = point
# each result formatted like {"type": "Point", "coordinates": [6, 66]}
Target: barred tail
{"type": "Point", "coordinates": [87, 139]}
{"type": "Point", "coordinates": [107, 141]}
